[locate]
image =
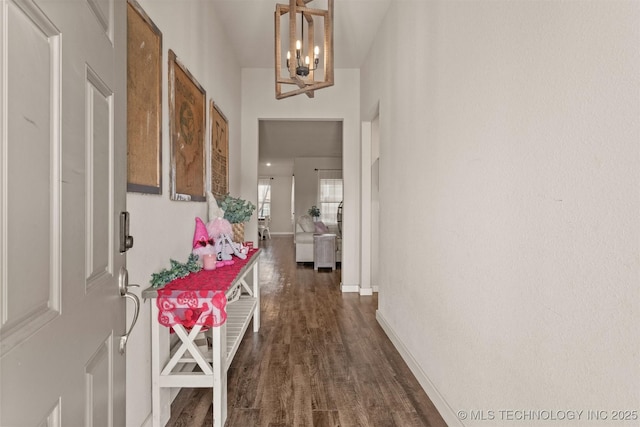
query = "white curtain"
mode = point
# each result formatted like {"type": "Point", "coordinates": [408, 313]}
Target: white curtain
{"type": "Point", "coordinates": [330, 194]}
{"type": "Point", "coordinates": [293, 198]}
{"type": "Point", "coordinates": [264, 197]}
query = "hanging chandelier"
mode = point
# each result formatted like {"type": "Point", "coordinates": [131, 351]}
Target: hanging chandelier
{"type": "Point", "coordinates": [301, 69]}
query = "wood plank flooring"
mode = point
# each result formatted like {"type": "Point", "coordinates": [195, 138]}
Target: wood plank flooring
{"type": "Point", "coordinates": [320, 359]}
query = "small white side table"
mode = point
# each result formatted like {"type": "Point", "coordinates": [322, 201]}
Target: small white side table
{"type": "Point", "coordinates": [324, 251]}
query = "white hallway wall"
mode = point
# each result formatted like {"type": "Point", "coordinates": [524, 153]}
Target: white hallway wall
{"type": "Point", "coordinates": [339, 102]}
{"type": "Point", "coordinates": [162, 228]}
{"type": "Point", "coordinates": [509, 176]}
{"type": "Point", "coordinates": [282, 174]}
{"type": "Point", "coordinates": [281, 222]}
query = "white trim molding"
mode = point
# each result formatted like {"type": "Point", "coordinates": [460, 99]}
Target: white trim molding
{"type": "Point", "coordinates": [349, 288]}
{"type": "Point", "coordinates": [366, 291]}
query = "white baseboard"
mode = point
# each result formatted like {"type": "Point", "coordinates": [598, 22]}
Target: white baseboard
{"type": "Point", "coordinates": [366, 291]}
{"type": "Point", "coordinates": [349, 288]}
{"type": "Point", "coordinates": [282, 233]}
{"type": "Point", "coordinates": [447, 413]}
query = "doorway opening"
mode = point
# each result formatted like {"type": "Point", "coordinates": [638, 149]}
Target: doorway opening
{"type": "Point", "coordinates": [292, 155]}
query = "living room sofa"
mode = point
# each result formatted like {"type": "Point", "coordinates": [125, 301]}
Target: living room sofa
{"type": "Point", "coordinates": [305, 229]}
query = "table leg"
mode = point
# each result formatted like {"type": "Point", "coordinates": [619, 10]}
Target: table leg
{"type": "Point", "coordinates": [219, 342]}
{"type": "Point", "coordinates": [256, 295]}
{"type": "Point", "coordinates": [160, 398]}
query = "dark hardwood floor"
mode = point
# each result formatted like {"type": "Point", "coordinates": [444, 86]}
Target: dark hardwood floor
{"type": "Point", "coordinates": [320, 359]}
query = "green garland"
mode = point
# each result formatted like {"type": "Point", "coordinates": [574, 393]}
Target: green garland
{"type": "Point", "coordinates": [176, 271]}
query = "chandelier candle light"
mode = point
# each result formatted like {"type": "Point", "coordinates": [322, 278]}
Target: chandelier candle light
{"type": "Point", "coordinates": [301, 71]}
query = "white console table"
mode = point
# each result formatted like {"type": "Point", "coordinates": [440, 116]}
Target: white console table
{"type": "Point", "coordinates": [168, 362]}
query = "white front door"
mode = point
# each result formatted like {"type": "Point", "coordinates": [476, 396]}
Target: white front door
{"type": "Point", "coordinates": [62, 182]}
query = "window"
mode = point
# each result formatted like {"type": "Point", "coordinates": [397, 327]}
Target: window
{"type": "Point", "coordinates": [264, 197]}
{"type": "Point", "coordinates": [330, 194]}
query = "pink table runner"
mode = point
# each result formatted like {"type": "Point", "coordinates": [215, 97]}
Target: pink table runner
{"type": "Point", "coordinates": [199, 298]}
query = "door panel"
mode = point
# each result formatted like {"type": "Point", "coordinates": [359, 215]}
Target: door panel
{"type": "Point", "coordinates": [101, 9]}
{"type": "Point", "coordinates": [53, 417]}
{"type": "Point", "coordinates": [98, 394]}
{"type": "Point", "coordinates": [30, 181]}
{"type": "Point", "coordinates": [63, 181]}
{"type": "Point", "coordinates": [99, 191]}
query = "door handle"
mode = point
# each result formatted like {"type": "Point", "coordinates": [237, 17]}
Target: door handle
{"type": "Point", "coordinates": [123, 284]}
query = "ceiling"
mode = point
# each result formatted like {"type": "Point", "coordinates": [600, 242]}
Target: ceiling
{"type": "Point", "coordinates": [249, 25]}
{"type": "Point", "coordinates": [280, 141]}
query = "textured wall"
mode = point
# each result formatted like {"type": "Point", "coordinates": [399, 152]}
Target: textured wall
{"type": "Point", "coordinates": [162, 228]}
{"type": "Point", "coordinates": [509, 173]}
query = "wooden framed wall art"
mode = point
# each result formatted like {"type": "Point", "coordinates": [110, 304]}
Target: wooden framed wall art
{"type": "Point", "coordinates": [144, 102]}
{"type": "Point", "coordinates": [219, 151]}
{"type": "Point", "coordinates": [187, 124]}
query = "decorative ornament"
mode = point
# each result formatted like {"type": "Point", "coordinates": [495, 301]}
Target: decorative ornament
{"type": "Point", "coordinates": [218, 227]}
{"type": "Point", "coordinates": [214, 210]}
{"type": "Point", "coordinates": [200, 236]}
{"type": "Point", "coordinates": [203, 246]}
